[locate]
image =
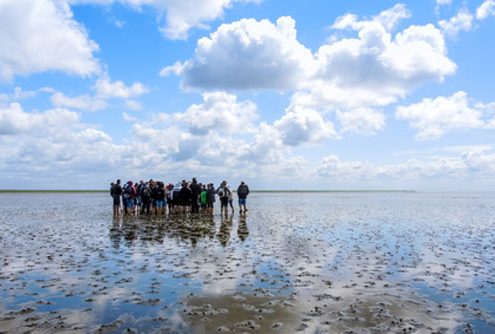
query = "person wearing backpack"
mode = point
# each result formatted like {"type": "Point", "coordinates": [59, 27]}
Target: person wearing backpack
{"type": "Point", "coordinates": [126, 196]}
{"type": "Point", "coordinates": [242, 193]}
{"type": "Point", "coordinates": [223, 192]}
{"type": "Point", "coordinates": [145, 198]}
{"type": "Point", "coordinates": [195, 192]}
{"type": "Point", "coordinates": [116, 191]}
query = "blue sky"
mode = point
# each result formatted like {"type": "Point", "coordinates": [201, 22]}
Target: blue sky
{"type": "Point", "coordinates": [280, 94]}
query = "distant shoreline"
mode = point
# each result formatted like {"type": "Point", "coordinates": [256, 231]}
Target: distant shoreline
{"type": "Point", "coordinates": [5, 191]}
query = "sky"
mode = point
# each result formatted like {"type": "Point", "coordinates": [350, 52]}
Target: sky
{"type": "Point", "coordinates": [312, 94]}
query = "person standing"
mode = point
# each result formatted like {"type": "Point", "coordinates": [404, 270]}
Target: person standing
{"type": "Point", "coordinates": [195, 192]}
{"type": "Point", "coordinates": [116, 192]}
{"type": "Point", "coordinates": [231, 199]}
{"type": "Point", "coordinates": [242, 193]}
{"type": "Point", "coordinates": [145, 199]}
{"type": "Point", "coordinates": [210, 198]}
{"type": "Point", "coordinates": [223, 192]}
{"type": "Point", "coordinates": [185, 197]}
{"type": "Point", "coordinates": [203, 198]}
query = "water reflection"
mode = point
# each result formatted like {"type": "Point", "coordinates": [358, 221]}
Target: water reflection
{"type": "Point", "coordinates": [242, 228]}
{"type": "Point", "coordinates": [191, 228]}
{"type": "Point", "coordinates": [356, 262]}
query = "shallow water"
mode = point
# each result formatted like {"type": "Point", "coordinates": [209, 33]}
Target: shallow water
{"type": "Point", "coordinates": [309, 263]}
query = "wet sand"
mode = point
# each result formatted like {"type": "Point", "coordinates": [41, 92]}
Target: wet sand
{"type": "Point", "coordinates": [307, 263]}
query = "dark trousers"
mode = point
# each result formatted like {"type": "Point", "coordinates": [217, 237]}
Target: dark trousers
{"type": "Point", "coordinates": [194, 204]}
{"type": "Point", "coordinates": [146, 205]}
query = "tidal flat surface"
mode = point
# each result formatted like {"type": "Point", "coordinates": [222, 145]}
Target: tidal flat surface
{"type": "Point", "coordinates": [308, 263]}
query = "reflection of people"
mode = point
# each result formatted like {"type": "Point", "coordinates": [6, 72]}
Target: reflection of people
{"type": "Point", "coordinates": [225, 229]}
{"type": "Point", "coordinates": [115, 232]}
{"type": "Point", "coordinates": [242, 228]}
{"type": "Point", "coordinates": [242, 193]}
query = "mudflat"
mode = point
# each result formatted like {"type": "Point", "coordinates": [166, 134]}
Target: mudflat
{"type": "Point", "coordinates": [296, 262]}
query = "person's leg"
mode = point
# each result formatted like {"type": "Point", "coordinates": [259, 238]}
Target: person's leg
{"type": "Point", "coordinates": [116, 205]}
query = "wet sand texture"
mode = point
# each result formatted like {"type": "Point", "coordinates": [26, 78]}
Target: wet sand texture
{"type": "Point", "coordinates": [305, 263]}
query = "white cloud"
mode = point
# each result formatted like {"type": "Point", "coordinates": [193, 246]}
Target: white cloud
{"type": "Point", "coordinates": [444, 2]}
{"type": "Point", "coordinates": [486, 9]}
{"type": "Point", "coordinates": [105, 88]}
{"type": "Point", "coordinates": [462, 21]}
{"type": "Point", "coordinates": [175, 69]}
{"type": "Point", "coordinates": [180, 15]}
{"type": "Point", "coordinates": [133, 105]}
{"type": "Point", "coordinates": [465, 165]}
{"type": "Point", "coordinates": [350, 75]}
{"type": "Point", "coordinates": [435, 117]}
{"type": "Point", "coordinates": [220, 112]}
{"type": "Point", "coordinates": [14, 120]}
{"type": "Point", "coordinates": [388, 19]}
{"type": "Point", "coordinates": [248, 54]}
{"type": "Point", "coordinates": [35, 144]}
{"type": "Point", "coordinates": [361, 120]}
{"type": "Point", "coordinates": [300, 126]}
{"type": "Point", "coordinates": [384, 66]}
{"type": "Point", "coordinates": [41, 35]}
{"type": "Point", "coordinates": [81, 102]}
{"type": "Point", "coordinates": [376, 68]}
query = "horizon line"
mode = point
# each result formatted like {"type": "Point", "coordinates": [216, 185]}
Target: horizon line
{"type": "Point", "coordinates": [253, 190]}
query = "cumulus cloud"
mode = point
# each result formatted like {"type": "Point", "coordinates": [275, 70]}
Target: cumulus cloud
{"type": "Point", "coordinates": [179, 15]}
{"type": "Point", "coordinates": [435, 117]}
{"type": "Point", "coordinates": [41, 35]}
{"type": "Point", "coordinates": [486, 9]}
{"type": "Point", "coordinates": [466, 164]}
{"type": "Point", "coordinates": [349, 76]}
{"type": "Point", "coordinates": [220, 112]}
{"type": "Point", "coordinates": [444, 2]}
{"type": "Point", "coordinates": [388, 19]}
{"type": "Point", "coordinates": [104, 90]}
{"type": "Point", "coordinates": [361, 120]}
{"type": "Point", "coordinates": [462, 21]}
{"type": "Point", "coordinates": [354, 75]}
{"type": "Point", "coordinates": [387, 67]}
{"type": "Point", "coordinates": [35, 144]}
{"type": "Point", "coordinates": [299, 126]}
{"type": "Point", "coordinates": [248, 54]}
{"type": "Point", "coordinates": [15, 121]}
{"type": "Point", "coordinates": [81, 102]}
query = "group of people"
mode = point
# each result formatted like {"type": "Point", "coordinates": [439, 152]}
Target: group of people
{"type": "Point", "coordinates": [159, 198]}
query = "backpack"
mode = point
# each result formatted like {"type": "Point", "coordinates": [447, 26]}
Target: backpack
{"type": "Point", "coordinates": [145, 192]}
{"type": "Point", "coordinates": [127, 191]}
{"type": "Point", "coordinates": [223, 192]}
{"type": "Point", "coordinates": [242, 191]}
